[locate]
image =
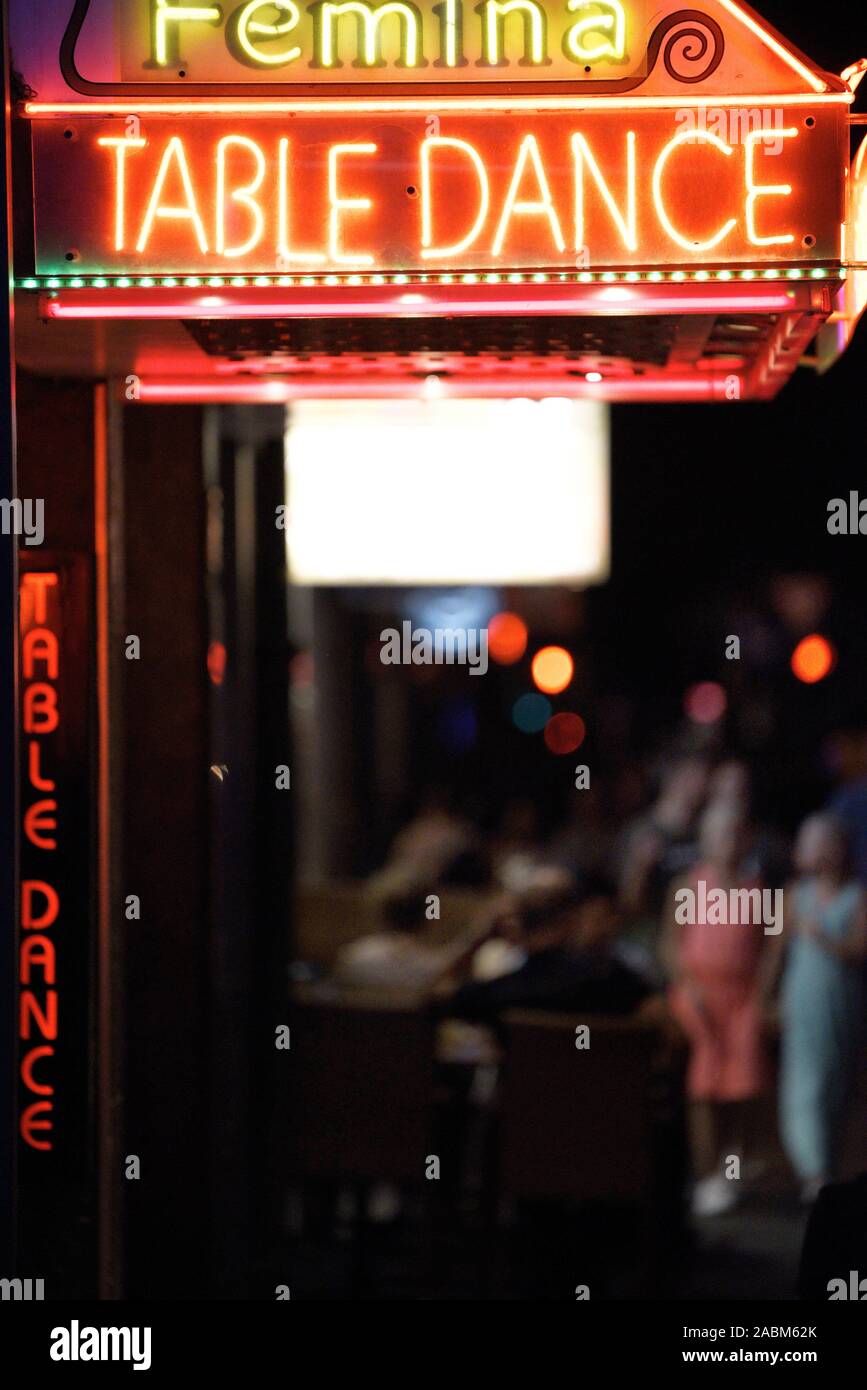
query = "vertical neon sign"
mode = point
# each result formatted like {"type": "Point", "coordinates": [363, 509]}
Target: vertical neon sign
{"type": "Point", "coordinates": [54, 940]}
{"type": "Point", "coordinates": [40, 900]}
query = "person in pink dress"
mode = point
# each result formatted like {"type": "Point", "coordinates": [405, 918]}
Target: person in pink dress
{"type": "Point", "coordinates": [720, 969]}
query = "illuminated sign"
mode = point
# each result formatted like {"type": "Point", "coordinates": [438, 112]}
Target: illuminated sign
{"type": "Point", "coordinates": [469, 191]}
{"type": "Point", "coordinates": [149, 47]}
{"type": "Point", "coordinates": [55, 869]}
{"type": "Point", "coordinates": [369, 42]}
{"type": "Point", "coordinates": [376, 34]}
{"type": "Point", "coordinates": [40, 901]}
{"type": "Point", "coordinates": [218, 146]}
{"type": "Point", "coordinates": [477, 447]}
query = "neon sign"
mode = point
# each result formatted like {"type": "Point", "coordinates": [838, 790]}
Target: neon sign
{"type": "Point", "coordinates": [469, 192]}
{"type": "Point", "coordinates": [371, 41]}
{"type": "Point", "coordinates": [40, 901]}
{"type": "Point", "coordinates": [39, 898]}
{"type": "Point", "coordinates": [149, 47]}
{"type": "Point", "coordinates": [430, 137]}
{"type": "Point", "coordinates": [55, 869]}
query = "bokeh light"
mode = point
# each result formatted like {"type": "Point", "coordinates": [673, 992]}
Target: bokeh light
{"type": "Point", "coordinates": [705, 702]}
{"type": "Point", "coordinates": [813, 659]}
{"type": "Point", "coordinates": [553, 669]}
{"type": "Point", "coordinates": [530, 713]}
{"type": "Point", "coordinates": [565, 732]}
{"type": "Point", "coordinates": [507, 638]}
{"type": "Point", "coordinates": [217, 662]}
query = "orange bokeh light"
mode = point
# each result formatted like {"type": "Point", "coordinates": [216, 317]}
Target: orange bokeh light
{"type": "Point", "coordinates": [507, 638]}
{"type": "Point", "coordinates": [813, 659]}
{"type": "Point", "coordinates": [553, 669]}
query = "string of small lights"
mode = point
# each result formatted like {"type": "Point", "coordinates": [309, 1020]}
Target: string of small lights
{"type": "Point", "coordinates": [43, 283]}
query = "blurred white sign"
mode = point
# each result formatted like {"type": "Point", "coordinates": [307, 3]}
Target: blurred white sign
{"type": "Point", "coordinates": [448, 492]}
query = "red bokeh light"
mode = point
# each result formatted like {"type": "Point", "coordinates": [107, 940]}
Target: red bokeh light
{"type": "Point", "coordinates": [217, 662]}
{"type": "Point", "coordinates": [507, 638]}
{"type": "Point", "coordinates": [564, 733]}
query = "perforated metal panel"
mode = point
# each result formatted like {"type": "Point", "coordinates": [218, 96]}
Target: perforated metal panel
{"type": "Point", "coordinates": [627, 346]}
{"type": "Point", "coordinates": [645, 339]}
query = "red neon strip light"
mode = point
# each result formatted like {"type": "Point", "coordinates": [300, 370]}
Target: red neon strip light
{"type": "Point", "coordinates": [368, 302]}
{"type": "Point", "coordinates": [697, 386]}
{"type": "Point", "coordinates": [144, 105]}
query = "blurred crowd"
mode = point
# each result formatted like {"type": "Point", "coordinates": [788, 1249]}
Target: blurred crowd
{"type": "Point", "coordinates": [591, 919]}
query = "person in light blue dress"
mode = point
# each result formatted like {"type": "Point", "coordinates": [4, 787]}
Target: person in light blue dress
{"type": "Point", "coordinates": [823, 1000]}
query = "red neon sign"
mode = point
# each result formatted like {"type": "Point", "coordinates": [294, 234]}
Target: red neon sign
{"type": "Point", "coordinates": [40, 900]}
{"type": "Point", "coordinates": [54, 956]}
{"type": "Point", "coordinates": [467, 191]}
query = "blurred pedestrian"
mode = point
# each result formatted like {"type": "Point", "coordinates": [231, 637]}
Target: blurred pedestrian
{"type": "Point", "coordinates": [719, 978]}
{"type": "Point", "coordinates": [822, 1000]}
